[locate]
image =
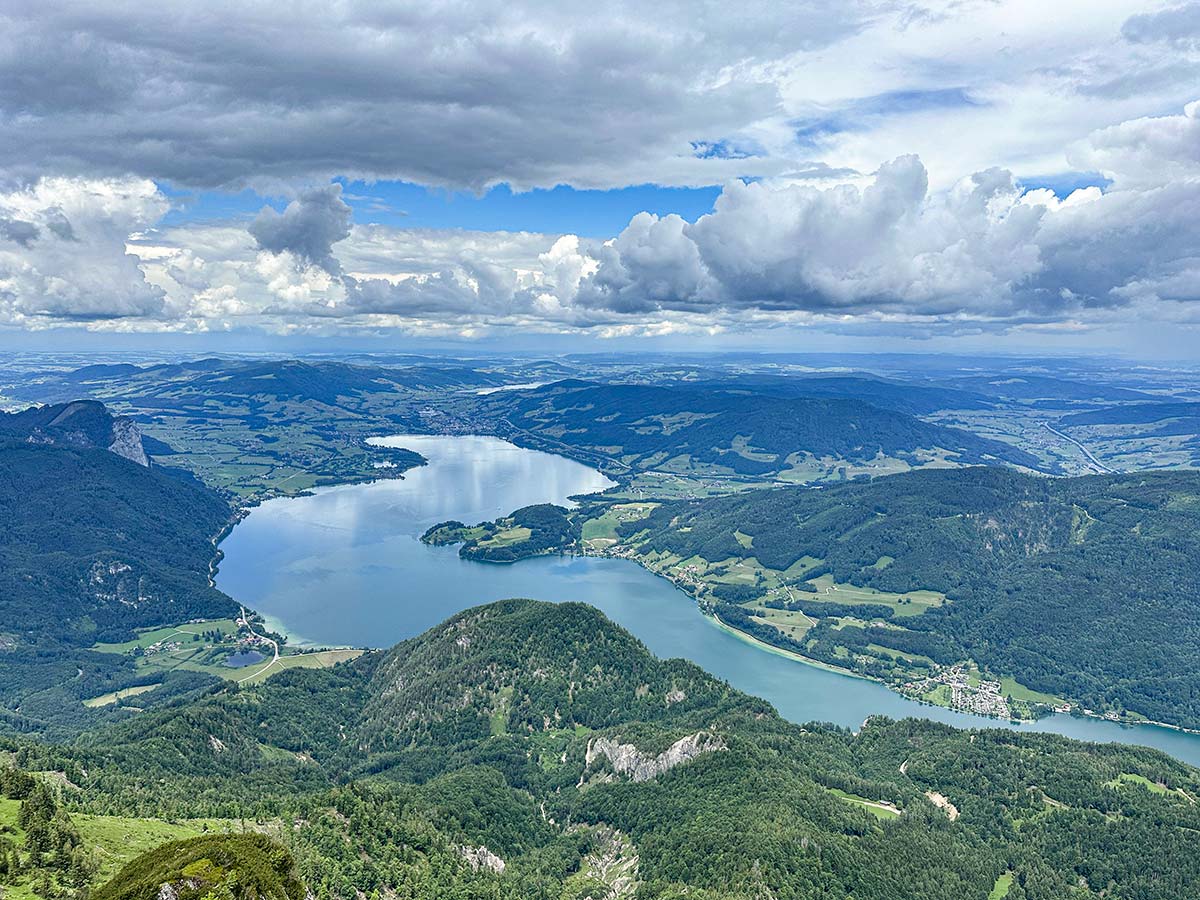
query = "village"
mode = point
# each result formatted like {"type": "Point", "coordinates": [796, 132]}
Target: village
{"type": "Point", "coordinates": [956, 690]}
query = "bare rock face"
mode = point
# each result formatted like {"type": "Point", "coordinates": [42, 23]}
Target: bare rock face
{"type": "Point", "coordinates": [628, 760]}
{"type": "Point", "coordinates": [482, 858]}
{"type": "Point", "coordinates": [127, 441]}
{"type": "Point", "coordinates": [80, 423]}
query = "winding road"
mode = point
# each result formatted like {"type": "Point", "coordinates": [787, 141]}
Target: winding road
{"type": "Point", "coordinates": [245, 620]}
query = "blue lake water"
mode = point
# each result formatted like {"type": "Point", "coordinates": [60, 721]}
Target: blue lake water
{"type": "Point", "coordinates": [345, 566]}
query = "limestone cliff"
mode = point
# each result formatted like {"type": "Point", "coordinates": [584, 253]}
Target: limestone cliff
{"type": "Point", "coordinates": [626, 759]}
{"type": "Point", "coordinates": [127, 441]}
{"type": "Point", "coordinates": [82, 424]}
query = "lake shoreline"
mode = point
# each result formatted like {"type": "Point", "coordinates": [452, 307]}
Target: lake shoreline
{"type": "Point", "coordinates": [345, 567]}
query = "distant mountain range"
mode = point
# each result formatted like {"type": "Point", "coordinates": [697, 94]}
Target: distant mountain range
{"type": "Point", "coordinates": [748, 434]}
{"type": "Point", "coordinates": [221, 379]}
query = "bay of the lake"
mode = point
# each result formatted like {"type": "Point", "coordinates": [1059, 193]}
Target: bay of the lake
{"type": "Point", "coordinates": [345, 566]}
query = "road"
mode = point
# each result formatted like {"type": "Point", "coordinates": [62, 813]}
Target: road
{"type": "Point", "coordinates": [245, 620]}
{"type": "Point", "coordinates": [1086, 451]}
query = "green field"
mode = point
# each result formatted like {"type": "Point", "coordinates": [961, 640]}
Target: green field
{"type": "Point", "coordinates": [1010, 687]}
{"type": "Point", "coordinates": [912, 603]}
{"type": "Point", "coordinates": [113, 696]}
{"type": "Point", "coordinates": [154, 635]}
{"type": "Point", "coordinates": [317, 659]}
{"type": "Point", "coordinates": [602, 530]}
{"type": "Point", "coordinates": [506, 537]}
{"type": "Point", "coordinates": [197, 655]}
{"type": "Point", "coordinates": [1001, 887]}
{"type": "Point", "coordinates": [116, 839]}
{"type": "Point", "coordinates": [1127, 778]}
{"type": "Point", "coordinates": [113, 840]}
{"type": "Point", "coordinates": [792, 623]}
{"type": "Point", "coordinates": [883, 811]}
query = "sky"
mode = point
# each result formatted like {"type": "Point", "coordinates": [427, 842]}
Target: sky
{"type": "Point", "coordinates": [959, 175]}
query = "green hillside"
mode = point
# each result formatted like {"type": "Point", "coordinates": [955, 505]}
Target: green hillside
{"type": "Point", "coordinates": [531, 750]}
{"type": "Point", "coordinates": [739, 433]}
{"type": "Point", "coordinates": [1083, 588]}
{"type": "Point", "coordinates": [220, 867]}
{"type": "Point", "coordinates": [93, 547]}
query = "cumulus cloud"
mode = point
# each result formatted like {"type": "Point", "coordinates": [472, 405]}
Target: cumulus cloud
{"type": "Point", "coordinates": [63, 253]}
{"type": "Point", "coordinates": [844, 249]}
{"type": "Point", "coordinates": [1146, 151]}
{"type": "Point", "coordinates": [307, 228]}
{"type": "Point", "coordinates": [984, 249]}
{"type": "Point", "coordinates": [892, 250]}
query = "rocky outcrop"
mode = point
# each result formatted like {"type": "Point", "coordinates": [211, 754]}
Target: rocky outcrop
{"type": "Point", "coordinates": [482, 858]}
{"type": "Point", "coordinates": [613, 861]}
{"type": "Point", "coordinates": [81, 424]}
{"type": "Point", "coordinates": [626, 759]}
{"type": "Point", "coordinates": [127, 441]}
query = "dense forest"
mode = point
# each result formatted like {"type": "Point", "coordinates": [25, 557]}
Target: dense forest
{"type": "Point", "coordinates": [1084, 588]}
{"type": "Point", "coordinates": [750, 434]}
{"type": "Point", "coordinates": [532, 750]}
{"type": "Point", "coordinates": [529, 531]}
{"type": "Point", "coordinates": [94, 546]}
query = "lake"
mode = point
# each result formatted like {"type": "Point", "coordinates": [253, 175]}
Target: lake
{"type": "Point", "coordinates": [345, 566]}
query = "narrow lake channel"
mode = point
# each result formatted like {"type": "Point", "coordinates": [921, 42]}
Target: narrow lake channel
{"type": "Point", "coordinates": [345, 566]}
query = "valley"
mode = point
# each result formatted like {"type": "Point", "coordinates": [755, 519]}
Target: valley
{"type": "Point", "coordinates": [839, 596]}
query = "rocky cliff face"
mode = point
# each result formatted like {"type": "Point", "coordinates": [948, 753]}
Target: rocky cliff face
{"type": "Point", "coordinates": [639, 766]}
{"type": "Point", "coordinates": [127, 441]}
{"type": "Point", "coordinates": [81, 423]}
{"type": "Point", "coordinates": [482, 858]}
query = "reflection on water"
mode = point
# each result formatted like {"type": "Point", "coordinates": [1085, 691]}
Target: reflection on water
{"type": "Point", "coordinates": [345, 566]}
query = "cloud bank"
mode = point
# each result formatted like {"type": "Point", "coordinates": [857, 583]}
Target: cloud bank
{"type": "Point", "coordinates": [875, 158]}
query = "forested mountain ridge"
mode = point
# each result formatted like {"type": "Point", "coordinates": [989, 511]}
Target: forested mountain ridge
{"type": "Point", "coordinates": [286, 379]}
{"type": "Point", "coordinates": [538, 751]}
{"type": "Point", "coordinates": [79, 423]}
{"type": "Point", "coordinates": [1084, 588]}
{"type": "Point", "coordinates": [748, 434]}
{"type": "Point", "coordinates": [93, 546]}
{"type": "Point", "coordinates": [907, 397]}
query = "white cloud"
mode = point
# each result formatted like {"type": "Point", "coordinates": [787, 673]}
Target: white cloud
{"type": "Point", "coordinates": [67, 258]}
{"type": "Point", "coordinates": [1146, 151]}
{"type": "Point", "coordinates": [223, 93]}
{"type": "Point", "coordinates": [889, 252]}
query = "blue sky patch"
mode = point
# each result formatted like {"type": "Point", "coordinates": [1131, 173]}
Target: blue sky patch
{"type": "Point", "coordinates": [405, 205]}
{"type": "Point", "coordinates": [864, 111]}
{"type": "Point", "coordinates": [1064, 183]}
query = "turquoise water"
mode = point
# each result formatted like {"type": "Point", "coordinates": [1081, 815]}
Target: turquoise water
{"type": "Point", "coordinates": [345, 566]}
